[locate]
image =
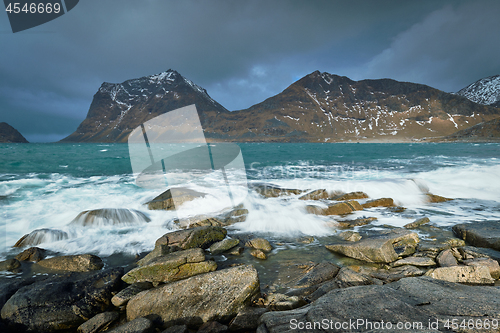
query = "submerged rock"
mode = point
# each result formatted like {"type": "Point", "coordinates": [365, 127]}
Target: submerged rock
{"type": "Point", "coordinates": [259, 244]}
{"type": "Point", "coordinates": [109, 216]}
{"type": "Point", "coordinates": [172, 267]}
{"type": "Point", "coordinates": [199, 299]}
{"type": "Point", "coordinates": [480, 234]}
{"type": "Point", "coordinates": [40, 236]}
{"type": "Point", "coordinates": [273, 191]}
{"type": "Point", "coordinates": [168, 199]}
{"type": "Point", "coordinates": [73, 263]}
{"type": "Point", "coordinates": [259, 254]}
{"type": "Point", "coordinates": [408, 300]}
{"type": "Point", "coordinates": [432, 198]}
{"type": "Point", "coordinates": [63, 304]}
{"type": "Point", "coordinates": [356, 223]}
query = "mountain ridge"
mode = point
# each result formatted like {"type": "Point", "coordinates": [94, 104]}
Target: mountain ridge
{"type": "Point", "coordinates": [9, 134]}
{"type": "Point", "coordinates": [320, 107]}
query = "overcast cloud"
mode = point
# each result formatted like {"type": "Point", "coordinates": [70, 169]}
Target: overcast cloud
{"type": "Point", "coordinates": [240, 51]}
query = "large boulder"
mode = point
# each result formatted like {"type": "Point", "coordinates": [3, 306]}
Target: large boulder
{"type": "Point", "coordinates": [411, 300]}
{"type": "Point", "coordinates": [201, 237]}
{"type": "Point", "coordinates": [109, 216]}
{"type": "Point", "coordinates": [480, 234]}
{"type": "Point", "coordinates": [172, 267]}
{"type": "Point", "coordinates": [73, 263]}
{"type": "Point", "coordinates": [259, 244]}
{"type": "Point", "coordinates": [218, 296]}
{"type": "Point", "coordinates": [377, 249]}
{"type": "Point", "coordinates": [41, 236]}
{"type": "Point", "coordinates": [62, 303]}
{"type": "Point", "coordinates": [168, 199]}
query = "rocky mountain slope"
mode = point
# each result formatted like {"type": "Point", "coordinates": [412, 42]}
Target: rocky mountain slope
{"type": "Point", "coordinates": [119, 108]}
{"type": "Point", "coordinates": [320, 107]}
{"type": "Point", "coordinates": [484, 91]}
{"type": "Point", "coordinates": [9, 134]}
{"type": "Point", "coordinates": [487, 131]}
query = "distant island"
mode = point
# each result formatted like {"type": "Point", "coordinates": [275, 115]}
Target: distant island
{"type": "Point", "coordinates": [320, 107]}
{"type": "Point", "coordinates": [9, 134]}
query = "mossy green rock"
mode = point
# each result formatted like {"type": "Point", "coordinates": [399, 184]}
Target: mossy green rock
{"type": "Point", "coordinates": [201, 237]}
{"type": "Point", "coordinates": [224, 245]}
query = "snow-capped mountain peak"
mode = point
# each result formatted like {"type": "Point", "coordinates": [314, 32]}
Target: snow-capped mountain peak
{"type": "Point", "coordinates": [485, 91]}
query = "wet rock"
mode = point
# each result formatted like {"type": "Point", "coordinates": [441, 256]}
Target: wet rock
{"type": "Point", "coordinates": [168, 199]}
{"type": "Point", "coordinates": [172, 267]}
{"type": "Point", "coordinates": [382, 202]}
{"type": "Point", "coordinates": [342, 208]}
{"type": "Point", "coordinates": [259, 244]}
{"type": "Point", "coordinates": [417, 223]}
{"type": "Point", "coordinates": [259, 254]}
{"type": "Point", "coordinates": [480, 234]}
{"type": "Point", "coordinates": [350, 196]}
{"type": "Point", "coordinates": [320, 273]}
{"type": "Point", "coordinates": [272, 191]}
{"type": "Point", "coordinates": [413, 299]}
{"type": "Point", "coordinates": [350, 236]}
{"type": "Point", "coordinates": [126, 294]}
{"type": "Point", "coordinates": [201, 237]}
{"type": "Point", "coordinates": [474, 275]}
{"type": "Point", "coordinates": [305, 239]}
{"type": "Point", "coordinates": [109, 216]}
{"type": "Point", "coordinates": [73, 263]}
{"type": "Point", "coordinates": [212, 327]}
{"type": "Point", "coordinates": [9, 265]}
{"type": "Point", "coordinates": [238, 214]}
{"type": "Point", "coordinates": [224, 245]}
{"type": "Point", "coordinates": [446, 259]}
{"type": "Point", "coordinates": [313, 209]}
{"type": "Point", "coordinates": [357, 222]}
{"type": "Point", "coordinates": [377, 249]}
{"type": "Point", "coordinates": [397, 209]}
{"type": "Point", "coordinates": [454, 242]}
{"type": "Point", "coordinates": [32, 254]}
{"type": "Point", "coordinates": [414, 261]}
{"type": "Point", "coordinates": [64, 303]}
{"type": "Point", "coordinates": [432, 198]}
{"type": "Point", "coordinates": [200, 221]}
{"type": "Point", "coordinates": [349, 278]}
{"type": "Point", "coordinates": [40, 236]}
{"type": "Point", "coordinates": [98, 323]}
{"type": "Point", "coordinates": [197, 300]}
{"type": "Point", "coordinates": [247, 319]}
{"type": "Point", "coordinates": [315, 195]}
{"type": "Point", "coordinates": [176, 329]}
{"type": "Point", "coordinates": [488, 262]}
{"type": "Point", "coordinates": [139, 325]}
{"type": "Point", "coordinates": [7, 289]}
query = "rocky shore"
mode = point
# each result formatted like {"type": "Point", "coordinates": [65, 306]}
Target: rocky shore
{"type": "Point", "coordinates": [202, 278]}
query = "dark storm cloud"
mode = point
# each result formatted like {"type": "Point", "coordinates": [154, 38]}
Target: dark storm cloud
{"type": "Point", "coordinates": [240, 51]}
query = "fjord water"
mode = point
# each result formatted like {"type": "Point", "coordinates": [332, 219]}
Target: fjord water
{"type": "Point", "coordinates": [48, 185]}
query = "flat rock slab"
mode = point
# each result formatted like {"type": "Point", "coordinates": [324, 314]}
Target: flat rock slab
{"type": "Point", "coordinates": [126, 294]}
{"type": "Point", "coordinates": [224, 245]}
{"type": "Point", "coordinates": [382, 202]}
{"type": "Point", "coordinates": [73, 263]}
{"type": "Point", "coordinates": [201, 237]}
{"type": "Point", "coordinates": [218, 295]}
{"type": "Point", "coordinates": [417, 299]}
{"type": "Point", "coordinates": [417, 223]}
{"type": "Point", "coordinates": [474, 275]}
{"type": "Point", "coordinates": [172, 267]}
{"type": "Point", "coordinates": [62, 303]}
{"type": "Point", "coordinates": [415, 261]}
{"type": "Point", "coordinates": [99, 322]}
{"type": "Point", "coordinates": [480, 234]}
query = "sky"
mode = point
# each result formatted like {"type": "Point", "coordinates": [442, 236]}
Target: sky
{"type": "Point", "coordinates": [241, 52]}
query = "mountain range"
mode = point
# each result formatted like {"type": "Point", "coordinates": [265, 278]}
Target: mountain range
{"type": "Point", "coordinates": [320, 107]}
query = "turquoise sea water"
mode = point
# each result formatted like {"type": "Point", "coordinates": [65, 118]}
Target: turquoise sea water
{"type": "Point", "coordinates": [48, 185]}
